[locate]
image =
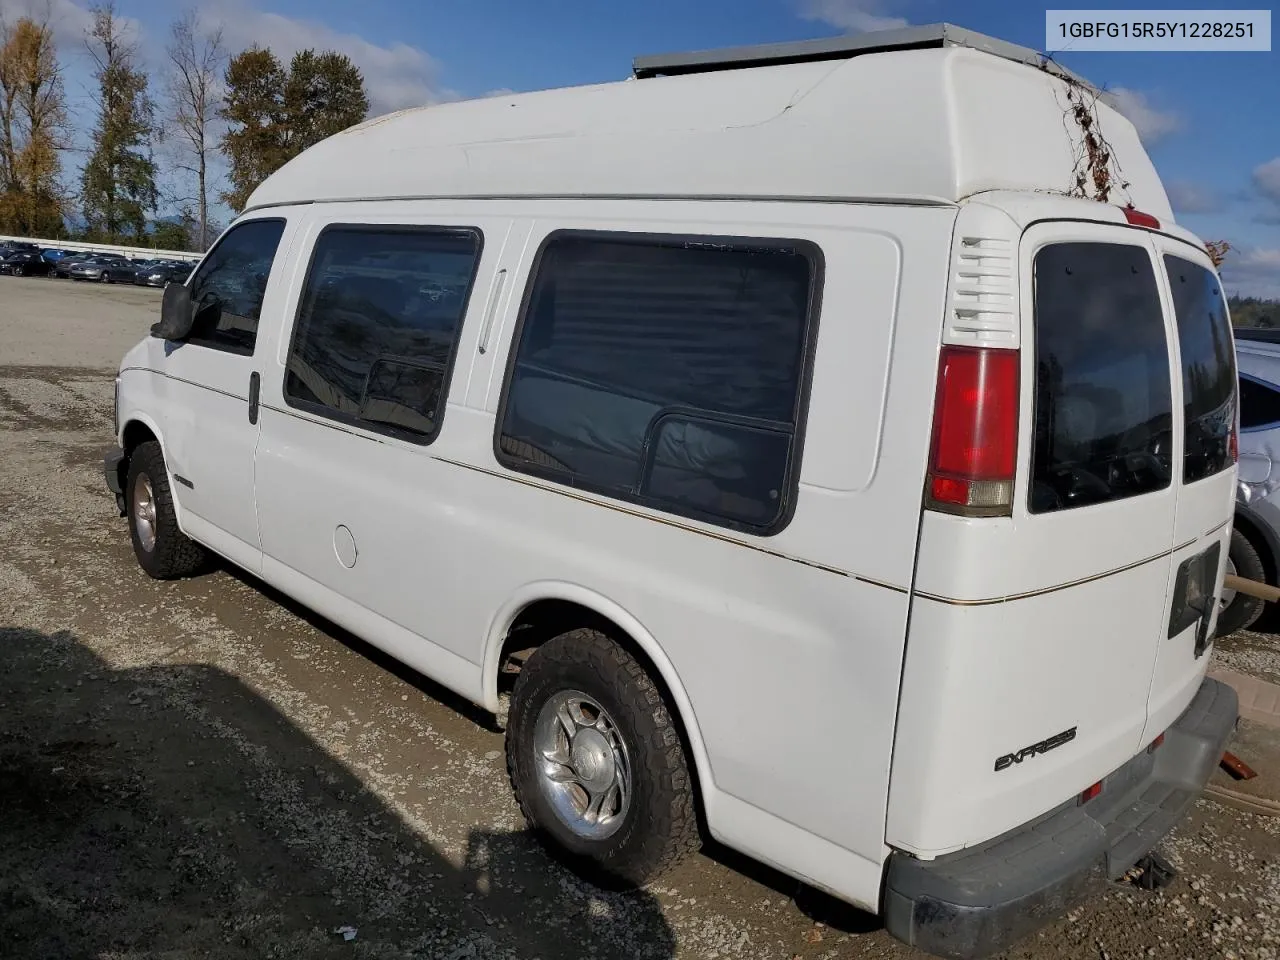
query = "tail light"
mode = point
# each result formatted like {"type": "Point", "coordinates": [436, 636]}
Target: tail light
{"type": "Point", "coordinates": [975, 431]}
{"type": "Point", "coordinates": [1139, 219]}
{"type": "Point", "coordinates": [1233, 444]}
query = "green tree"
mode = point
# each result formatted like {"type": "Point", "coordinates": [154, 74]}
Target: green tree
{"type": "Point", "coordinates": [254, 111]}
{"type": "Point", "coordinates": [1253, 312]}
{"type": "Point", "coordinates": [274, 114]}
{"type": "Point", "coordinates": [33, 121]}
{"type": "Point", "coordinates": [171, 235]}
{"type": "Point", "coordinates": [119, 182]}
{"type": "Point", "coordinates": [323, 95]}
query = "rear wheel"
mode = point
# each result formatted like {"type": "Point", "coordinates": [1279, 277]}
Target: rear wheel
{"type": "Point", "coordinates": [162, 549]}
{"type": "Point", "coordinates": [596, 761]}
{"type": "Point", "coordinates": [1239, 611]}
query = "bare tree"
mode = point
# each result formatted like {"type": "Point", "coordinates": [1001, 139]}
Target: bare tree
{"type": "Point", "coordinates": [196, 57]}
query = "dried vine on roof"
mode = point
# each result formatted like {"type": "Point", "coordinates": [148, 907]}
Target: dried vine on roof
{"type": "Point", "coordinates": [1096, 173]}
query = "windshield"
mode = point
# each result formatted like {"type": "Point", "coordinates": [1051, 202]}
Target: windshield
{"type": "Point", "coordinates": [1103, 400]}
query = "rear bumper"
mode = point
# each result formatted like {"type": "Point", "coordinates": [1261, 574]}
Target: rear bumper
{"type": "Point", "coordinates": [978, 901]}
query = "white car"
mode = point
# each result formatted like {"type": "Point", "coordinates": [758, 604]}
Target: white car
{"type": "Point", "coordinates": [815, 468]}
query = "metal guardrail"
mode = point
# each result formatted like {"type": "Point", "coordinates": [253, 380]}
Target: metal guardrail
{"type": "Point", "coordinates": [133, 253]}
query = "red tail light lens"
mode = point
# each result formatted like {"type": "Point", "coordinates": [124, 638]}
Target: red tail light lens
{"type": "Point", "coordinates": [1091, 792]}
{"type": "Point", "coordinates": [1233, 444]}
{"type": "Point", "coordinates": [1140, 219]}
{"type": "Point", "coordinates": [975, 431]}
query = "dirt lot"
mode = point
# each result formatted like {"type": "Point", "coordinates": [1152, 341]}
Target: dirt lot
{"type": "Point", "coordinates": [204, 769]}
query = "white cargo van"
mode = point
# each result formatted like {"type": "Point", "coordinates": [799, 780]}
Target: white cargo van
{"type": "Point", "coordinates": [780, 433]}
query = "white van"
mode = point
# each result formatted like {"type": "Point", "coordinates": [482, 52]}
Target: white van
{"type": "Point", "coordinates": [774, 427]}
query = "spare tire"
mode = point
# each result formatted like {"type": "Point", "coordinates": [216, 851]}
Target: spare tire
{"type": "Point", "coordinates": [1239, 611]}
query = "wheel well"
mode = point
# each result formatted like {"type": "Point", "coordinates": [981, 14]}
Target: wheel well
{"type": "Point", "coordinates": [1260, 543]}
{"type": "Point", "coordinates": [542, 620]}
{"type": "Point", "coordinates": [135, 433]}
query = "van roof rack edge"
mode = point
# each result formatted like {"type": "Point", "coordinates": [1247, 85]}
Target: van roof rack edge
{"type": "Point", "coordinates": [929, 36]}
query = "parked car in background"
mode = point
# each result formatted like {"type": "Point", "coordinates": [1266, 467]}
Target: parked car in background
{"type": "Point", "coordinates": [53, 256]}
{"type": "Point", "coordinates": [22, 263]}
{"type": "Point", "coordinates": [1255, 541]}
{"type": "Point", "coordinates": [73, 259]}
{"type": "Point", "coordinates": [164, 272]}
{"type": "Point", "coordinates": [15, 246]}
{"type": "Point", "coordinates": [104, 268]}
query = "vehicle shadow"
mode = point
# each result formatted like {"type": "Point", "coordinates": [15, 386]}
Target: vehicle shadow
{"type": "Point", "coordinates": [818, 906]}
{"type": "Point", "coordinates": [171, 811]}
{"type": "Point", "coordinates": [423, 684]}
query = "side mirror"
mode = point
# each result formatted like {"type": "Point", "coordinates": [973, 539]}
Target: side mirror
{"type": "Point", "coordinates": [176, 314]}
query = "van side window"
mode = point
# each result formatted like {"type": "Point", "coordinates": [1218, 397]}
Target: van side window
{"type": "Point", "coordinates": [1208, 368]}
{"type": "Point", "coordinates": [228, 287]}
{"type": "Point", "coordinates": [1103, 402]}
{"type": "Point", "coordinates": [666, 371]}
{"type": "Point", "coordinates": [378, 326]}
{"type": "Point", "coordinates": [1259, 404]}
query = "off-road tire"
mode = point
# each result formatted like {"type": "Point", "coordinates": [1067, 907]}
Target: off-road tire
{"type": "Point", "coordinates": [174, 555]}
{"type": "Point", "coordinates": [661, 826]}
{"type": "Point", "coordinates": [1244, 610]}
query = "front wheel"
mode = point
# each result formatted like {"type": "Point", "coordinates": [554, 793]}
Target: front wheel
{"type": "Point", "coordinates": [104, 277]}
{"type": "Point", "coordinates": [162, 549]}
{"type": "Point", "coordinates": [1239, 611]}
{"type": "Point", "coordinates": [596, 761]}
{"type": "Point", "coordinates": [17, 270]}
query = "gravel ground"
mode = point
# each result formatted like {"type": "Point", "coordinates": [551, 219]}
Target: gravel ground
{"type": "Point", "coordinates": [205, 769]}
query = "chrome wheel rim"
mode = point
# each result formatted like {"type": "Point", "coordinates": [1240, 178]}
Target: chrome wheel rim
{"type": "Point", "coordinates": [144, 512]}
{"type": "Point", "coordinates": [1228, 594]}
{"type": "Point", "coordinates": [582, 765]}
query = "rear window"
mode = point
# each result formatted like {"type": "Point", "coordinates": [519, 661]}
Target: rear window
{"type": "Point", "coordinates": [1103, 403]}
{"type": "Point", "coordinates": [1208, 368]}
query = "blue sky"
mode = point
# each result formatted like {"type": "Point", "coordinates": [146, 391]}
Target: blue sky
{"type": "Point", "coordinates": [1211, 121]}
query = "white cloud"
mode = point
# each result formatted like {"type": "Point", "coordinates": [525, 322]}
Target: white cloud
{"type": "Point", "coordinates": [1253, 272]}
{"type": "Point", "coordinates": [1266, 177]}
{"type": "Point", "coordinates": [396, 75]}
{"type": "Point", "coordinates": [1152, 123]}
{"type": "Point", "coordinates": [853, 16]}
{"type": "Point", "coordinates": [70, 22]}
{"type": "Point", "coordinates": [1189, 197]}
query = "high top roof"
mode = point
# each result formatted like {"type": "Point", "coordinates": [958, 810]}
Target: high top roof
{"type": "Point", "coordinates": [929, 37]}
{"type": "Point", "coordinates": [925, 119]}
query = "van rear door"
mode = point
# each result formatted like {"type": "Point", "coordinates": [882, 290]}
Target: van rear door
{"type": "Point", "coordinates": [1204, 475]}
{"type": "Point", "coordinates": [1035, 636]}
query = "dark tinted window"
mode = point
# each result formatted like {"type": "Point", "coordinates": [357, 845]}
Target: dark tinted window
{"type": "Point", "coordinates": [378, 324]}
{"type": "Point", "coordinates": [228, 288]}
{"type": "Point", "coordinates": [666, 372]}
{"type": "Point", "coordinates": [1208, 368]}
{"type": "Point", "coordinates": [1259, 404]}
{"type": "Point", "coordinates": [1103, 405]}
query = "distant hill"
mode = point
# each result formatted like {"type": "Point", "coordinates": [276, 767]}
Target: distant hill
{"type": "Point", "coordinates": [1252, 312]}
